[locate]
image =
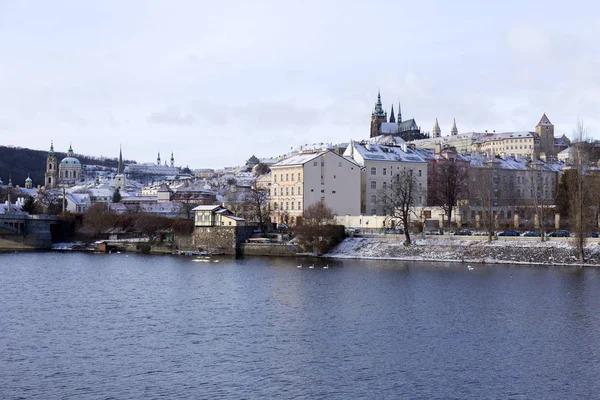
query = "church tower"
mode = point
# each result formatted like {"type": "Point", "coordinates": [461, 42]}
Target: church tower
{"type": "Point", "coordinates": [436, 132]}
{"type": "Point", "coordinates": [172, 160]}
{"type": "Point", "coordinates": [392, 118]}
{"type": "Point", "coordinates": [454, 130]}
{"type": "Point", "coordinates": [120, 167]}
{"type": "Point", "coordinates": [70, 152]}
{"type": "Point", "coordinates": [51, 175]}
{"type": "Point", "coordinates": [158, 159]}
{"type": "Point", "coordinates": [545, 131]}
{"type": "Point", "coordinates": [378, 116]}
{"type": "Point", "coordinates": [28, 182]}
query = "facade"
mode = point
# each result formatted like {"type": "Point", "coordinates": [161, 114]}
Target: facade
{"type": "Point", "coordinates": [395, 126]}
{"type": "Point", "coordinates": [214, 215]}
{"type": "Point", "coordinates": [305, 179]}
{"type": "Point", "coordinates": [379, 165]}
{"type": "Point", "coordinates": [514, 144]}
{"type": "Point", "coordinates": [66, 173]}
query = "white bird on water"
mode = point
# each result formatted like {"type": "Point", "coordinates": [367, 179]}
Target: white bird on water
{"type": "Point", "coordinates": [311, 266]}
{"type": "Point", "coordinates": [326, 267]}
{"type": "Point", "coordinates": [299, 266]}
{"type": "Point", "coordinates": [470, 268]}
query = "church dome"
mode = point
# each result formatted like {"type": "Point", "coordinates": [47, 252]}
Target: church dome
{"type": "Point", "coordinates": [69, 160]}
{"type": "Point", "coordinates": [28, 179]}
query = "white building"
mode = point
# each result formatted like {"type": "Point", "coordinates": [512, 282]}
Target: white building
{"type": "Point", "coordinates": [380, 164]}
{"type": "Point", "coordinates": [307, 178]}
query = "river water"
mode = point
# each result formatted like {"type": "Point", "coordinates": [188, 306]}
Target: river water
{"type": "Point", "coordinates": [124, 326]}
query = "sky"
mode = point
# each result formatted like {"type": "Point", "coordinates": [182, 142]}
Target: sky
{"type": "Point", "coordinates": [218, 82]}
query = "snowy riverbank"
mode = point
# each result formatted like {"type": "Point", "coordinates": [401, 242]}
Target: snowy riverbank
{"type": "Point", "coordinates": [473, 251]}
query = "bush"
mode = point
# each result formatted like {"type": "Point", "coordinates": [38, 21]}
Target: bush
{"type": "Point", "coordinates": [143, 247]}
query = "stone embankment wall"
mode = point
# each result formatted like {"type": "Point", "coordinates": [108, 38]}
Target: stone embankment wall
{"type": "Point", "coordinates": [220, 239]}
{"type": "Point", "coordinates": [269, 249]}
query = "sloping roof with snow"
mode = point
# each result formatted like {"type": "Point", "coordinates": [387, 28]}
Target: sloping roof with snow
{"type": "Point", "coordinates": [206, 207]}
{"type": "Point", "coordinates": [299, 159]}
{"type": "Point", "coordinates": [544, 121]}
{"type": "Point", "coordinates": [376, 152]}
{"type": "Point", "coordinates": [386, 139]}
{"type": "Point", "coordinates": [506, 135]}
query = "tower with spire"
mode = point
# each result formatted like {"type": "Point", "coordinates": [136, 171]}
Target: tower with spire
{"type": "Point", "coordinates": [120, 167]}
{"type": "Point", "coordinates": [545, 131]}
{"type": "Point", "coordinates": [392, 118]}
{"type": "Point", "coordinates": [436, 132]}
{"type": "Point", "coordinates": [454, 130]}
{"type": "Point", "coordinates": [70, 152]}
{"type": "Point", "coordinates": [378, 116]}
{"type": "Point", "coordinates": [158, 159]}
{"type": "Point", "coordinates": [172, 160]}
{"type": "Point", "coordinates": [51, 175]}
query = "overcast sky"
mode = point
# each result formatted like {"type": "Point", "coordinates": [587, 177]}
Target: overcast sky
{"type": "Point", "coordinates": [216, 82]}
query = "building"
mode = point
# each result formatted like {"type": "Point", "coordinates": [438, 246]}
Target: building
{"type": "Point", "coordinates": [381, 126]}
{"type": "Point", "coordinates": [379, 165]}
{"type": "Point", "coordinates": [305, 179]}
{"type": "Point", "coordinates": [66, 173]}
{"type": "Point", "coordinates": [215, 215]}
{"type": "Point", "coordinates": [514, 144]}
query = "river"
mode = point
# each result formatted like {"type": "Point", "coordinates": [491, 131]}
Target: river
{"type": "Point", "coordinates": [126, 326]}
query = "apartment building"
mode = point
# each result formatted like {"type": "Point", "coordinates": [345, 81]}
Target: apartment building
{"type": "Point", "coordinates": [380, 164]}
{"type": "Point", "coordinates": [306, 178]}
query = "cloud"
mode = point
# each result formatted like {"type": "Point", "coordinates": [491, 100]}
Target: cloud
{"type": "Point", "coordinates": [171, 116]}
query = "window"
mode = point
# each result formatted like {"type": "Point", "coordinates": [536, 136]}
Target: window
{"type": "Point", "coordinates": [286, 177]}
{"type": "Point", "coordinates": [275, 177]}
{"type": "Point", "coordinates": [282, 191]}
{"type": "Point", "coordinates": [299, 205]}
{"type": "Point", "coordinates": [373, 185]}
{"type": "Point", "coordinates": [298, 175]}
{"type": "Point", "coordinates": [281, 177]}
{"type": "Point", "coordinates": [384, 185]}
{"type": "Point", "coordinates": [333, 191]}
{"type": "Point", "coordinates": [340, 164]}
{"type": "Point", "coordinates": [385, 171]}
{"type": "Point", "coordinates": [334, 177]}
{"type": "Point", "coordinates": [420, 173]}
{"type": "Point", "coordinates": [287, 205]}
{"type": "Point", "coordinates": [373, 171]}
{"type": "Point", "coordinates": [292, 191]}
{"type": "Point", "coordinates": [314, 164]}
{"type": "Point", "coordinates": [322, 163]}
{"type": "Point", "coordinates": [292, 176]}
{"type": "Point", "coordinates": [281, 205]}
{"type": "Point", "coordinates": [427, 214]}
{"type": "Point", "coordinates": [287, 191]}
{"type": "Point", "coordinates": [373, 199]}
{"type": "Point", "coordinates": [299, 190]}
{"type": "Point", "coordinates": [322, 198]}
{"type": "Point", "coordinates": [322, 190]}
{"type": "Point", "coordinates": [292, 205]}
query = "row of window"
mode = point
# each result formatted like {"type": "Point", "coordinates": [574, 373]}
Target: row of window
{"type": "Point", "coordinates": [287, 177]}
{"type": "Point", "coordinates": [385, 171]}
{"type": "Point", "coordinates": [289, 205]}
{"type": "Point", "coordinates": [287, 191]}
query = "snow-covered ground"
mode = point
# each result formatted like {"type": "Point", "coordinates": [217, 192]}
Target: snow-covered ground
{"type": "Point", "coordinates": [479, 251]}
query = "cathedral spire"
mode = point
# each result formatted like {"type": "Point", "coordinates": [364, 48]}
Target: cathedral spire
{"type": "Point", "coordinates": [399, 113]}
{"type": "Point", "coordinates": [378, 111]}
{"type": "Point", "coordinates": [392, 118]}
{"type": "Point", "coordinates": [454, 130]}
{"type": "Point", "coordinates": [436, 131]}
{"type": "Point", "coordinates": [120, 165]}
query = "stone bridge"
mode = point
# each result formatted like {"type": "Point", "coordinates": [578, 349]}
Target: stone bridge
{"type": "Point", "coordinates": [26, 232]}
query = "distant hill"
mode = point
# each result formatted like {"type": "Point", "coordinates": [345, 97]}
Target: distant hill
{"type": "Point", "coordinates": [18, 162]}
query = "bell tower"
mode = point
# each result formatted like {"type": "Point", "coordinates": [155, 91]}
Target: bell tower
{"type": "Point", "coordinates": [378, 116]}
{"type": "Point", "coordinates": [545, 131]}
{"type": "Point", "coordinates": [51, 175]}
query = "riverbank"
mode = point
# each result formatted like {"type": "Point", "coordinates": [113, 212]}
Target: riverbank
{"type": "Point", "coordinates": [559, 253]}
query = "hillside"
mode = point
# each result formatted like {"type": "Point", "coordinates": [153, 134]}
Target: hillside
{"type": "Point", "coordinates": [17, 162]}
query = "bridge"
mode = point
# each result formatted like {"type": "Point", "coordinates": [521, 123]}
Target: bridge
{"type": "Point", "coordinates": [26, 232]}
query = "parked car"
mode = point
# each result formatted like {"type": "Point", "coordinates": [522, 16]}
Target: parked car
{"type": "Point", "coordinates": [352, 231]}
{"type": "Point", "coordinates": [559, 233]}
{"type": "Point", "coordinates": [509, 233]}
{"type": "Point", "coordinates": [463, 232]}
{"type": "Point", "coordinates": [434, 232]}
{"type": "Point", "coordinates": [591, 234]}
{"type": "Point", "coordinates": [532, 234]}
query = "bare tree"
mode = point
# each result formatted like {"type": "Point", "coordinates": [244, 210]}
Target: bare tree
{"type": "Point", "coordinates": [317, 230]}
{"type": "Point", "coordinates": [97, 220]}
{"type": "Point", "coordinates": [234, 201]}
{"type": "Point", "coordinates": [448, 186]}
{"type": "Point", "coordinates": [483, 188]}
{"type": "Point", "coordinates": [399, 199]}
{"type": "Point", "coordinates": [540, 187]}
{"type": "Point", "coordinates": [579, 195]}
{"type": "Point", "coordinates": [258, 207]}
{"type": "Point", "coordinates": [49, 201]}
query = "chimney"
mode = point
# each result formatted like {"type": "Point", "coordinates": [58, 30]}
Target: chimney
{"type": "Point", "coordinates": [438, 148]}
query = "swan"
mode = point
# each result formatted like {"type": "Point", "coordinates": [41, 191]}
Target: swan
{"type": "Point", "coordinates": [470, 268]}
{"type": "Point", "coordinates": [311, 266]}
{"type": "Point", "coordinates": [299, 266]}
{"type": "Point", "coordinates": [326, 267]}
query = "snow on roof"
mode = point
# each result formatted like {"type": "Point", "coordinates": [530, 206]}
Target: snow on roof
{"type": "Point", "coordinates": [388, 127]}
{"type": "Point", "coordinates": [386, 139]}
{"type": "Point", "coordinates": [544, 121]}
{"type": "Point", "coordinates": [206, 207]}
{"type": "Point", "coordinates": [299, 159]}
{"type": "Point", "coordinates": [234, 217]}
{"type": "Point", "coordinates": [506, 135]}
{"type": "Point", "coordinates": [376, 152]}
